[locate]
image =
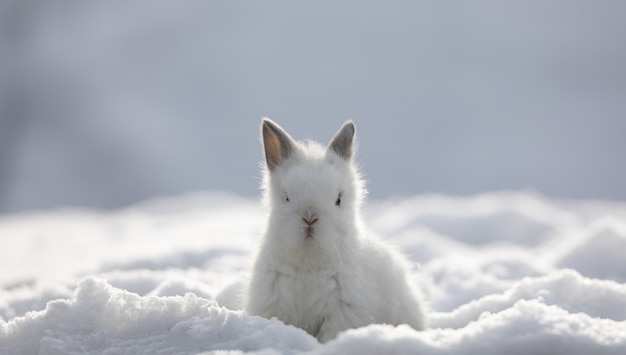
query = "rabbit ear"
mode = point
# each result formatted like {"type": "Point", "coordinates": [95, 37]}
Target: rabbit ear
{"type": "Point", "coordinates": [277, 143]}
{"type": "Point", "coordinates": [342, 143]}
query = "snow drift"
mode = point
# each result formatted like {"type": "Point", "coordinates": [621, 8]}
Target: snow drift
{"type": "Point", "coordinates": [503, 273]}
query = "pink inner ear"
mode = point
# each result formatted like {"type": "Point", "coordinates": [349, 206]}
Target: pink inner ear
{"type": "Point", "coordinates": [277, 143]}
{"type": "Point", "coordinates": [271, 144]}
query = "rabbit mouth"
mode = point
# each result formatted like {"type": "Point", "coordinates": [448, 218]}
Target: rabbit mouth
{"type": "Point", "coordinates": [309, 231]}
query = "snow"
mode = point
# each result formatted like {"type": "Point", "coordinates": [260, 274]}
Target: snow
{"type": "Point", "coordinates": [503, 272]}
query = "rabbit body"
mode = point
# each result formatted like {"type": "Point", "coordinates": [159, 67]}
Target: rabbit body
{"type": "Point", "coordinates": [317, 268]}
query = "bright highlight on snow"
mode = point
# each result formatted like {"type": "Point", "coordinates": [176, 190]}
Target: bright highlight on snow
{"type": "Point", "coordinates": [501, 272]}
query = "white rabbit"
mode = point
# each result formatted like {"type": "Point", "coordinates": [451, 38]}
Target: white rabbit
{"type": "Point", "coordinates": [317, 268]}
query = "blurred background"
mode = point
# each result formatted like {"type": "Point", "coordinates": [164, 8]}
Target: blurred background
{"type": "Point", "coordinates": [103, 104]}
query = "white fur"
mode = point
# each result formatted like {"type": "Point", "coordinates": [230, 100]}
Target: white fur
{"type": "Point", "coordinates": [339, 278]}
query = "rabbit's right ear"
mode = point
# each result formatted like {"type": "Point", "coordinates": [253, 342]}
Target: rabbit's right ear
{"type": "Point", "coordinates": [277, 143]}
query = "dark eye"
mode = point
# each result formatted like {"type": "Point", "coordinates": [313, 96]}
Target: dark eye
{"type": "Point", "coordinates": [338, 201]}
{"type": "Point", "coordinates": [287, 198]}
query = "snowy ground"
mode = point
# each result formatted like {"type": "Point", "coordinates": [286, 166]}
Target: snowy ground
{"type": "Point", "coordinates": [504, 272]}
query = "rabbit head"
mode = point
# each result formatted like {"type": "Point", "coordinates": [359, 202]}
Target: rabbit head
{"type": "Point", "coordinates": [313, 192]}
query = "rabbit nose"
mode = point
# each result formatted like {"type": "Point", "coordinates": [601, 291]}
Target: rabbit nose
{"type": "Point", "coordinates": [310, 218]}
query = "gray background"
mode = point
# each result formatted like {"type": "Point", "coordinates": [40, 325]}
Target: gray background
{"type": "Point", "coordinates": [106, 103]}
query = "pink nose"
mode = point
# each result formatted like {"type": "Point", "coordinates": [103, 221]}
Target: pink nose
{"type": "Point", "coordinates": [310, 220]}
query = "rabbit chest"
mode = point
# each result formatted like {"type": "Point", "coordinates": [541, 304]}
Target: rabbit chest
{"type": "Point", "coordinates": [304, 298]}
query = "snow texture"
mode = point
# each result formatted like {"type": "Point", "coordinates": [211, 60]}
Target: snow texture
{"type": "Point", "coordinates": [503, 272]}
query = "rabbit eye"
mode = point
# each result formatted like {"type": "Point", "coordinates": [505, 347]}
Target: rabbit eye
{"type": "Point", "coordinates": [287, 198]}
{"type": "Point", "coordinates": [338, 201]}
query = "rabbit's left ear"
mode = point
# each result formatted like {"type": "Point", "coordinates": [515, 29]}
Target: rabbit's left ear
{"type": "Point", "coordinates": [277, 143]}
{"type": "Point", "coordinates": [342, 142]}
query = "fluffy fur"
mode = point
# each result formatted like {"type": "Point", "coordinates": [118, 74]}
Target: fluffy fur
{"type": "Point", "coordinates": [317, 268]}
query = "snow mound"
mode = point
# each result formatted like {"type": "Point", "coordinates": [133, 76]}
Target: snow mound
{"type": "Point", "coordinates": [565, 289]}
{"type": "Point", "coordinates": [599, 250]}
{"type": "Point", "coordinates": [528, 327]}
{"type": "Point", "coordinates": [103, 319]}
{"type": "Point", "coordinates": [508, 272]}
